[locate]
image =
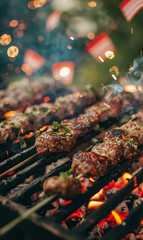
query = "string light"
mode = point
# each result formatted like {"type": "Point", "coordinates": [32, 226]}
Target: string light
{"type": "Point", "coordinates": [12, 51]}
{"type": "Point", "coordinates": [5, 39]}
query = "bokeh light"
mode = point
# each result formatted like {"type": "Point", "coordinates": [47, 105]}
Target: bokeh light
{"type": "Point", "coordinates": [12, 51]}
{"type": "Point", "coordinates": [5, 39]}
{"type": "Point", "coordinates": [13, 23]}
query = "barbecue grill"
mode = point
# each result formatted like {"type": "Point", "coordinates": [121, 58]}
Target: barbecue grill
{"type": "Point", "coordinates": [22, 174]}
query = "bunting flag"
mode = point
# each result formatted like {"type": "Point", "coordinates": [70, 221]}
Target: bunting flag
{"type": "Point", "coordinates": [53, 20]}
{"type": "Point", "coordinates": [33, 60]}
{"type": "Point", "coordinates": [101, 47]}
{"type": "Point", "coordinates": [63, 71]}
{"type": "Point", "coordinates": [130, 8]}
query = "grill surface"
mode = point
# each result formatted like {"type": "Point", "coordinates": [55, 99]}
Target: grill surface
{"type": "Point", "coordinates": [16, 193]}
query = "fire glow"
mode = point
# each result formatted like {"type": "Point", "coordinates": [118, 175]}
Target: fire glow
{"type": "Point", "coordinates": [9, 114]}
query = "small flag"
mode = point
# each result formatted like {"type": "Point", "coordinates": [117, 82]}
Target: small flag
{"type": "Point", "coordinates": [63, 71]}
{"type": "Point", "coordinates": [101, 47]}
{"type": "Point", "coordinates": [130, 8]}
{"type": "Point", "coordinates": [53, 20]}
{"type": "Point", "coordinates": [33, 60]}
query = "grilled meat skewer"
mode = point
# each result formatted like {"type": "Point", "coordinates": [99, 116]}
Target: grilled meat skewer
{"type": "Point", "coordinates": [39, 115]}
{"type": "Point", "coordinates": [63, 138]}
{"type": "Point", "coordinates": [22, 93]}
{"type": "Point", "coordinates": [118, 144]}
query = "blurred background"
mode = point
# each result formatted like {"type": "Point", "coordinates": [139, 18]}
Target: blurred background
{"type": "Point", "coordinates": [81, 41]}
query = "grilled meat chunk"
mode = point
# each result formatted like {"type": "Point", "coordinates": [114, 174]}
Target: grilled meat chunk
{"type": "Point", "coordinates": [55, 142]}
{"type": "Point", "coordinates": [67, 189]}
{"type": "Point", "coordinates": [89, 164]}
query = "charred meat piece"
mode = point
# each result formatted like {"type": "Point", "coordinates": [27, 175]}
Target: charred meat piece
{"type": "Point", "coordinates": [89, 164]}
{"type": "Point", "coordinates": [67, 189]}
{"type": "Point", "coordinates": [58, 138]}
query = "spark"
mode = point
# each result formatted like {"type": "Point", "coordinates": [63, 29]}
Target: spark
{"type": "Point", "coordinates": [109, 54]}
{"type": "Point", "coordinates": [132, 30]}
{"type": "Point", "coordinates": [101, 59]}
{"type": "Point", "coordinates": [71, 38]}
{"type": "Point", "coordinates": [113, 76]}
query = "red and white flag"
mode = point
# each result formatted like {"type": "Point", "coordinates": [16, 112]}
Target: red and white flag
{"type": "Point", "coordinates": [63, 71]}
{"type": "Point", "coordinates": [53, 20]}
{"type": "Point", "coordinates": [100, 47]}
{"type": "Point", "coordinates": [33, 60]}
{"type": "Point", "coordinates": [130, 8]}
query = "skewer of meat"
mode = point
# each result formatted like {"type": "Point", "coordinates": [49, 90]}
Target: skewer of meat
{"type": "Point", "coordinates": [22, 93]}
{"type": "Point", "coordinates": [62, 137]}
{"type": "Point", "coordinates": [39, 115]}
{"type": "Point", "coordinates": [118, 144]}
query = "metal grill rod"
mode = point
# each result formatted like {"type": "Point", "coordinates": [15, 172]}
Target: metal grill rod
{"type": "Point", "coordinates": [94, 218]}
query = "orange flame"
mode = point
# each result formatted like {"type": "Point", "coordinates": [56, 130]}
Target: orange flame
{"type": "Point", "coordinates": [117, 217]}
{"type": "Point", "coordinates": [95, 204]}
{"type": "Point", "coordinates": [126, 176]}
{"type": "Point", "coordinates": [43, 128]}
{"type": "Point", "coordinates": [22, 130]}
{"type": "Point", "coordinates": [10, 114]}
{"type": "Point", "coordinates": [98, 195]}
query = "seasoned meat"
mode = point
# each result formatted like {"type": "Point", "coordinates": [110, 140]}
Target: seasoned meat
{"type": "Point", "coordinates": [89, 164]}
{"type": "Point", "coordinates": [53, 142]}
{"type": "Point", "coordinates": [67, 189]}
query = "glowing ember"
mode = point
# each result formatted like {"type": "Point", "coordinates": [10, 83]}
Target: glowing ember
{"type": "Point", "coordinates": [12, 51]}
{"type": "Point", "coordinates": [69, 47]}
{"type": "Point", "coordinates": [126, 176]}
{"type": "Point", "coordinates": [131, 68]}
{"type": "Point", "coordinates": [92, 4]}
{"type": "Point", "coordinates": [46, 99]}
{"type": "Point", "coordinates": [13, 23]}
{"type": "Point", "coordinates": [130, 88]}
{"type": "Point", "coordinates": [39, 3]}
{"type": "Point", "coordinates": [95, 204]}
{"type": "Point", "coordinates": [135, 182]}
{"type": "Point", "coordinates": [9, 114]}
{"type": "Point", "coordinates": [109, 54]}
{"type": "Point", "coordinates": [91, 179]}
{"type": "Point", "coordinates": [98, 196]}
{"type": "Point", "coordinates": [7, 153]}
{"type": "Point", "coordinates": [117, 217]}
{"type": "Point", "coordinates": [5, 39]}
